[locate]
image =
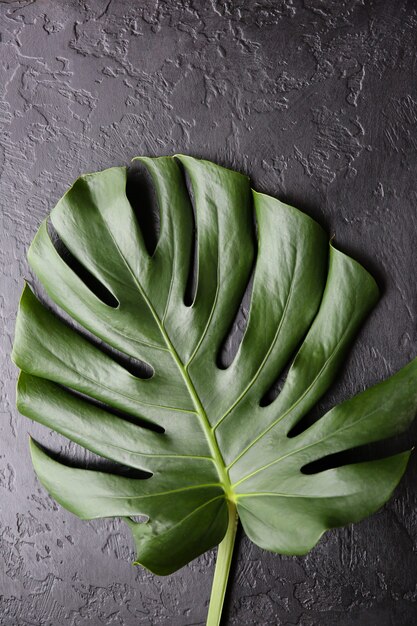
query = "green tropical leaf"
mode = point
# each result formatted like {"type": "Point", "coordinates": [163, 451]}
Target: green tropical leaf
{"type": "Point", "coordinates": [209, 443]}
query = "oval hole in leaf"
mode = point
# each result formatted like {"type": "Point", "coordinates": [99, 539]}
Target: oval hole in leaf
{"type": "Point", "coordinates": [140, 519]}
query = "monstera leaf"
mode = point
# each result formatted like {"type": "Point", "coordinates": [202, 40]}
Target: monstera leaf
{"type": "Point", "coordinates": [211, 446]}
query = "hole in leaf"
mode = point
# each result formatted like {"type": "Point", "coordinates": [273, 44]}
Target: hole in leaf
{"type": "Point", "coordinates": [275, 389]}
{"type": "Point", "coordinates": [230, 345]}
{"type": "Point", "coordinates": [140, 519]}
{"type": "Point", "coordinates": [95, 285]}
{"type": "Point", "coordinates": [324, 404]}
{"type": "Point", "coordinates": [369, 452]}
{"type": "Point", "coordinates": [309, 419]}
{"type": "Point", "coordinates": [140, 192]}
{"type": "Point", "coordinates": [77, 457]}
{"type": "Point", "coordinates": [135, 367]}
{"type": "Point", "coordinates": [192, 279]}
{"type": "Point", "coordinates": [132, 419]}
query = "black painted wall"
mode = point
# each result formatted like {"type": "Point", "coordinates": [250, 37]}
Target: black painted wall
{"type": "Point", "coordinates": [317, 101]}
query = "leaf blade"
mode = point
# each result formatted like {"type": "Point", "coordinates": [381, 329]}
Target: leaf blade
{"type": "Point", "coordinates": [219, 444]}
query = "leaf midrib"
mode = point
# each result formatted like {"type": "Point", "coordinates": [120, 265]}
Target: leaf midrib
{"type": "Point", "coordinates": [201, 413]}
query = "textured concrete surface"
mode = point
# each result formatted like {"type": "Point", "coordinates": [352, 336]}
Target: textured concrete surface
{"type": "Point", "coordinates": [317, 101]}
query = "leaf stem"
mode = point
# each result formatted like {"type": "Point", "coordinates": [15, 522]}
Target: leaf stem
{"type": "Point", "coordinates": [221, 573]}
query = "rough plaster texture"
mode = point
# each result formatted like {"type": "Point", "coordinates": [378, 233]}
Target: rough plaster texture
{"type": "Point", "coordinates": [317, 100]}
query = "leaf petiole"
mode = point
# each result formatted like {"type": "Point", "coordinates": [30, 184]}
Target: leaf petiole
{"type": "Point", "coordinates": [221, 572]}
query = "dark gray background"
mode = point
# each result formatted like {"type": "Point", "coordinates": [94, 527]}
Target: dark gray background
{"type": "Point", "coordinates": [317, 101]}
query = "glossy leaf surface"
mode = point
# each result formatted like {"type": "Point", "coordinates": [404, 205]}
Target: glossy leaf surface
{"type": "Point", "coordinates": [202, 432]}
